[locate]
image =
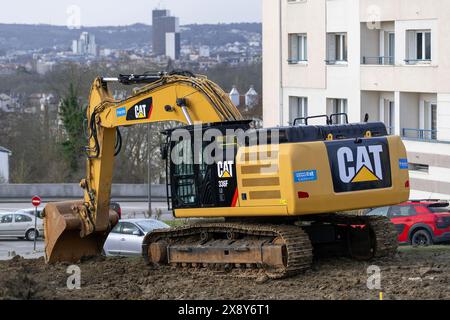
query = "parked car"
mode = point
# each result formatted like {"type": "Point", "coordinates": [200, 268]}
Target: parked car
{"type": "Point", "coordinates": [420, 223]}
{"type": "Point", "coordinates": [127, 237]}
{"type": "Point", "coordinates": [20, 225]}
{"type": "Point", "coordinates": [32, 211]}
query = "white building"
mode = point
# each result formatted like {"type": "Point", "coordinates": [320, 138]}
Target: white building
{"type": "Point", "coordinates": [235, 96]}
{"type": "Point", "coordinates": [204, 51]}
{"type": "Point", "coordinates": [171, 45]}
{"type": "Point", "coordinates": [251, 98]}
{"type": "Point", "coordinates": [44, 67]}
{"type": "Point", "coordinates": [4, 165]}
{"type": "Point", "coordinates": [85, 45]}
{"type": "Point", "coordinates": [386, 58]}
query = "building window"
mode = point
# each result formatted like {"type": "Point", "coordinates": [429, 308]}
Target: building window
{"type": "Point", "coordinates": [419, 47]}
{"type": "Point", "coordinates": [338, 106]}
{"type": "Point", "coordinates": [423, 168]}
{"type": "Point", "coordinates": [391, 117]}
{"type": "Point", "coordinates": [298, 108]}
{"type": "Point", "coordinates": [434, 122]}
{"type": "Point", "coordinates": [298, 48]}
{"type": "Point", "coordinates": [430, 130]}
{"type": "Point", "coordinates": [391, 48]}
{"type": "Point", "coordinates": [337, 48]}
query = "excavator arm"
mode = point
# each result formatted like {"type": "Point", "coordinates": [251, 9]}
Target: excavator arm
{"type": "Point", "coordinates": [74, 230]}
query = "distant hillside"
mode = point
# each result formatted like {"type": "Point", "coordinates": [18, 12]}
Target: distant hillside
{"type": "Point", "coordinates": [29, 37]}
{"type": "Point", "coordinates": [219, 34]}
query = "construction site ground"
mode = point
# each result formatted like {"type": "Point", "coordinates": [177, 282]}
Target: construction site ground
{"type": "Point", "coordinates": [415, 273]}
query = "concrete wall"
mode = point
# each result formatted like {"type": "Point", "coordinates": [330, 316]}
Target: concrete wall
{"type": "Point", "coordinates": [55, 191]}
{"type": "Point", "coordinates": [409, 110]}
{"type": "Point", "coordinates": [370, 103]}
{"type": "Point", "coordinates": [370, 42]}
{"type": "Point", "coordinates": [309, 18]}
{"type": "Point", "coordinates": [271, 62]}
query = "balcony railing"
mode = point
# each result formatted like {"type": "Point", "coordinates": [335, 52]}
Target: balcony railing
{"type": "Point", "coordinates": [296, 61]}
{"type": "Point", "coordinates": [420, 134]}
{"type": "Point", "coordinates": [417, 61]}
{"type": "Point", "coordinates": [378, 60]}
{"type": "Point", "coordinates": [336, 62]}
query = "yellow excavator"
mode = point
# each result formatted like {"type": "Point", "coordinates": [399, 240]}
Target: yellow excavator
{"type": "Point", "coordinates": [267, 199]}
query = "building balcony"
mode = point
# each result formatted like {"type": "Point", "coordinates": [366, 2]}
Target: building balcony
{"type": "Point", "coordinates": [418, 61]}
{"type": "Point", "coordinates": [421, 135]}
{"type": "Point", "coordinates": [378, 60]}
{"type": "Point", "coordinates": [336, 62]}
{"type": "Point", "coordinates": [297, 61]}
{"type": "Point", "coordinates": [407, 78]}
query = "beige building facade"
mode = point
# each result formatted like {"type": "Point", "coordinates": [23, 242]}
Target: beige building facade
{"type": "Point", "coordinates": [389, 59]}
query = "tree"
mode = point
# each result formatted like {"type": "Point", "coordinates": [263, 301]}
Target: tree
{"type": "Point", "coordinates": [72, 116]}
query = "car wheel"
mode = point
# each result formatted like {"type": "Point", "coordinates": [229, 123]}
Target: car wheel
{"type": "Point", "coordinates": [31, 234]}
{"type": "Point", "coordinates": [421, 238]}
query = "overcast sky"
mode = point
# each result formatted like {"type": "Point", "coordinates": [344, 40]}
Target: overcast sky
{"type": "Point", "coordinates": [123, 12]}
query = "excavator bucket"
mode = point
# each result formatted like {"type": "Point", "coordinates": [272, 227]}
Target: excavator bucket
{"type": "Point", "coordinates": [62, 227]}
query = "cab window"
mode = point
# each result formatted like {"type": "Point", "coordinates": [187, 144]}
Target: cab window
{"type": "Point", "coordinates": [402, 211]}
{"type": "Point", "coordinates": [184, 174]}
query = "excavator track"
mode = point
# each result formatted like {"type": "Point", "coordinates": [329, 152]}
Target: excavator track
{"type": "Point", "coordinates": [288, 241]}
{"type": "Point", "coordinates": [386, 237]}
{"type": "Point", "coordinates": [368, 237]}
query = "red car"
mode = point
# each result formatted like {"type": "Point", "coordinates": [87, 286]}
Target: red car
{"type": "Point", "coordinates": [422, 222]}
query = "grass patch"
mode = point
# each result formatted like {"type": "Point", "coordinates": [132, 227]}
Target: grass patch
{"type": "Point", "coordinates": [176, 223]}
{"type": "Point", "coordinates": [425, 249]}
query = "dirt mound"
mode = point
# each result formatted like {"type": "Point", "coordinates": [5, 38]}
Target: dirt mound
{"type": "Point", "coordinates": [413, 274]}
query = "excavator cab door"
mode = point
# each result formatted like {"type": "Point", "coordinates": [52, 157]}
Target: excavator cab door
{"type": "Point", "coordinates": [203, 172]}
{"type": "Point", "coordinates": [192, 175]}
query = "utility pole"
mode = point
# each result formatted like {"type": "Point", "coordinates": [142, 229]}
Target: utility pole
{"type": "Point", "coordinates": [149, 170]}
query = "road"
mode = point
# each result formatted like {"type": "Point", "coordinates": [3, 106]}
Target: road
{"type": "Point", "coordinates": [129, 209]}
{"type": "Point", "coordinates": [10, 247]}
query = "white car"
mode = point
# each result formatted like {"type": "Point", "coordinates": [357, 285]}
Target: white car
{"type": "Point", "coordinates": [20, 225]}
{"type": "Point", "coordinates": [127, 236]}
{"type": "Point", "coordinates": [32, 211]}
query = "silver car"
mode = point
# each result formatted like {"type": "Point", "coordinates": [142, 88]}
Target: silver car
{"type": "Point", "coordinates": [20, 225]}
{"type": "Point", "coordinates": [32, 211]}
{"type": "Point", "coordinates": [126, 238]}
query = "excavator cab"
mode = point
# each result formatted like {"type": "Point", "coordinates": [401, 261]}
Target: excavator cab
{"type": "Point", "coordinates": [198, 158]}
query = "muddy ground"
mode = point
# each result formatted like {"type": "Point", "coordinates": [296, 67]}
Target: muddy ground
{"type": "Point", "coordinates": [412, 274]}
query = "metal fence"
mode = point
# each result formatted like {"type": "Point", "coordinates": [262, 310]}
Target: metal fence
{"type": "Point", "coordinates": [378, 60]}
{"type": "Point", "coordinates": [420, 134]}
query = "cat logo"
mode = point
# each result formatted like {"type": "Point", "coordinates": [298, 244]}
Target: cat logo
{"type": "Point", "coordinates": [225, 169]}
{"type": "Point", "coordinates": [365, 166]}
{"type": "Point", "coordinates": [360, 166]}
{"type": "Point", "coordinates": [141, 111]}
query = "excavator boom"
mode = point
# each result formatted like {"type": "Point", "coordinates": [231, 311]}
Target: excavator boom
{"type": "Point", "coordinates": [77, 229]}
